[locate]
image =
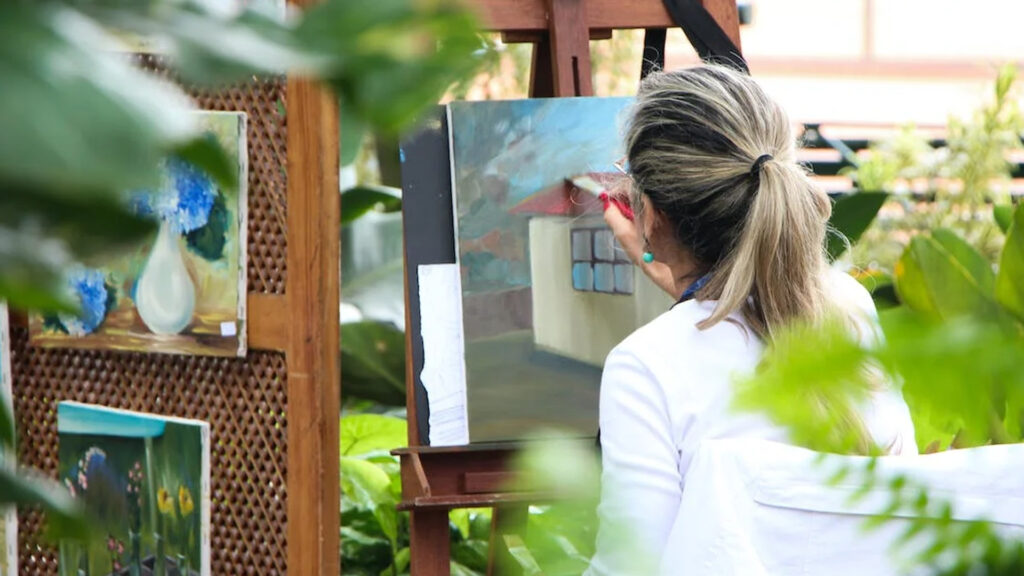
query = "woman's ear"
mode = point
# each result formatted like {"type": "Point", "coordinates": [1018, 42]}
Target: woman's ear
{"type": "Point", "coordinates": [656, 224]}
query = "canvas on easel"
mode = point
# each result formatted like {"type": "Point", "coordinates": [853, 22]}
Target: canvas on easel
{"type": "Point", "coordinates": [547, 291]}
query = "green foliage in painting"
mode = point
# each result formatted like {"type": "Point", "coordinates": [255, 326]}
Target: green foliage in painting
{"type": "Point", "coordinates": [209, 241]}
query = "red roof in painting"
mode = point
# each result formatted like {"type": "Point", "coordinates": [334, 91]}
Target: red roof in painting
{"type": "Point", "coordinates": [574, 196]}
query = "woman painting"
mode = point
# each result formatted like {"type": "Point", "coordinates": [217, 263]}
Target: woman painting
{"type": "Point", "coordinates": [728, 223]}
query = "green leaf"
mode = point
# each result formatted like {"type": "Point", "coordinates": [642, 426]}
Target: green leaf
{"type": "Point", "coordinates": [1003, 215]}
{"type": "Point", "coordinates": [359, 200]}
{"type": "Point", "coordinates": [209, 241]}
{"type": "Point", "coordinates": [8, 431]}
{"type": "Point", "coordinates": [880, 285]}
{"type": "Point", "coordinates": [471, 553]}
{"type": "Point", "coordinates": [522, 556]}
{"type": "Point", "coordinates": [361, 552]}
{"type": "Point", "coordinates": [367, 433]}
{"type": "Point", "coordinates": [934, 357]}
{"type": "Point", "coordinates": [1010, 281]}
{"type": "Point", "coordinates": [76, 116]}
{"type": "Point", "coordinates": [931, 279]}
{"type": "Point", "coordinates": [373, 362]}
{"type": "Point", "coordinates": [65, 518]}
{"type": "Point", "coordinates": [809, 382]}
{"type": "Point", "coordinates": [967, 256]}
{"type": "Point", "coordinates": [402, 55]}
{"type": "Point", "coordinates": [44, 234]}
{"type": "Point", "coordinates": [370, 487]}
{"type": "Point", "coordinates": [460, 519]}
{"type": "Point", "coordinates": [206, 154]}
{"type": "Point", "coordinates": [851, 216]}
{"type": "Point", "coordinates": [87, 224]}
{"type": "Point", "coordinates": [352, 134]}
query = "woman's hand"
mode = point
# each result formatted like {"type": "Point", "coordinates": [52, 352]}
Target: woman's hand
{"type": "Point", "coordinates": [626, 233]}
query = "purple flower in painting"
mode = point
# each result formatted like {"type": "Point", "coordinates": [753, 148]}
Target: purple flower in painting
{"type": "Point", "coordinates": [90, 288]}
{"type": "Point", "coordinates": [184, 199]}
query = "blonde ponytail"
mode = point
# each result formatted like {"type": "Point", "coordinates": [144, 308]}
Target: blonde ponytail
{"type": "Point", "coordinates": [776, 271]}
{"type": "Point", "coordinates": [715, 155]}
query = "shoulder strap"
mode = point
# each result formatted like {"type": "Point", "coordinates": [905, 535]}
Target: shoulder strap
{"type": "Point", "coordinates": [712, 44]}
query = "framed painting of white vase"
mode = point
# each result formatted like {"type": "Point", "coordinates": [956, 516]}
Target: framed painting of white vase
{"type": "Point", "coordinates": [183, 290]}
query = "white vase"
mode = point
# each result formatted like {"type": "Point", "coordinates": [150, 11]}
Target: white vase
{"type": "Point", "coordinates": [165, 295]}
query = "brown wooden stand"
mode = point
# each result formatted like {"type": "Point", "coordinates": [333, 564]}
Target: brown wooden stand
{"type": "Point", "coordinates": [437, 480]}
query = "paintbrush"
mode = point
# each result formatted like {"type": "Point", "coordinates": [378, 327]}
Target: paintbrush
{"type": "Point", "coordinates": [601, 191]}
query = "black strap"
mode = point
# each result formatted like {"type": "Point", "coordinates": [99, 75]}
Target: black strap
{"type": "Point", "coordinates": [654, 51]}
{"type": "Point", "coordinates": [707, 37]}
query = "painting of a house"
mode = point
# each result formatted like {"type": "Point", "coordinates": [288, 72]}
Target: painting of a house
{"type": "Point", "coordinates": [581, 276]}
{"type": "Point", "coordinates": [545, 292]}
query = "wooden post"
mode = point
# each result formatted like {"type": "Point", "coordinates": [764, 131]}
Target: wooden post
{"type": "Point", "coordinates": [429, 545]}
{"type": "Point", "coordinates": [570, 48]}
{"type": "Point", "coordinates": [313, 294]}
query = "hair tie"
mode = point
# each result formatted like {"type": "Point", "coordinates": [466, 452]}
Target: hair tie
{"type": "Point", "coordinates": [755, 169]}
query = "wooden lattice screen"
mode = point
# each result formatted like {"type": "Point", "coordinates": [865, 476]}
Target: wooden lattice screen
{"type": "Point", "coordinates": [245, 400]}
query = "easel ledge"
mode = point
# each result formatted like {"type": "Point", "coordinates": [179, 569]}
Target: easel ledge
{"type": "Point", "coordinates": [436, 480]}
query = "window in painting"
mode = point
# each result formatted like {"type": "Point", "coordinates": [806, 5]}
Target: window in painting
{"type": "Point", "coordinates": [599, 264]}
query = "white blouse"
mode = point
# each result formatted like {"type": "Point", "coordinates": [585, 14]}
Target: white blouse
{"type": "Point", "coordinates": [668, 387]}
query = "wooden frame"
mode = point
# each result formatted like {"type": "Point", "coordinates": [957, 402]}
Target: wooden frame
{"type": "Point", "coordinates": [437, 480]}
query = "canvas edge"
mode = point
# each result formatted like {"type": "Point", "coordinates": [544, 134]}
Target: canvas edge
{"type": "Point", "coordinates": [243, 234]}
{"type": "Point", "coordinates": [458, 263]}
{"type": "Point", "coordinates": [170, 419]}
{"type": "Point", "coordinates": [205, 546]}
{"type": "Point", "coordinates": [10, 515]}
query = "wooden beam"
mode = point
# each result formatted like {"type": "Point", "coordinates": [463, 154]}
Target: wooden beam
{"type": "Point", "coordinates": [533, 15]}
{"type": "Point", "coordinates": [429, 544]}
{"type": "Point", "coordinates": [313, 293]}
{"type": "Point", "coordinates": [267, 325]}
{"type": "Point", "coordinates": [570, 48]}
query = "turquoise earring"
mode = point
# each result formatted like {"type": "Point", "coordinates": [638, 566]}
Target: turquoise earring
{"type": "Point", "coordinates": [648, 257]}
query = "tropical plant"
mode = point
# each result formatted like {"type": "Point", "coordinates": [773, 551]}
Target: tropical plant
{"type": "Point", "coordinates": [83, 126]}
{"type": "Point", "coordinates": [951, 186]}
{"type": "Point", "coordinates": [956, 344]}
{"type": "Point", "coordinates": [374, 535]}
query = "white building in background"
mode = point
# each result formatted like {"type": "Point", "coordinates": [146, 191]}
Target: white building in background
{"type": "Point", "coordinates": [876, 62]}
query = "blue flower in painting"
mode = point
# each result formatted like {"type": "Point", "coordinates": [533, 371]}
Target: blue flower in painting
{"type": "Point", "coordinates": [184, 200]}
{"type": "Point", "coordinates": [90, 287]}
{"type": "Point", "coordinates": [196, 193]}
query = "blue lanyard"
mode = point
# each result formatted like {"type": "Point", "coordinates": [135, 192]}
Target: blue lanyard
{"type": "Point", "coordinates": [692, 289]}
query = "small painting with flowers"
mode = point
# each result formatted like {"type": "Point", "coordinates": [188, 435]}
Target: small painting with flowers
{"type": "Point", "coordinates": [183, 290]}
{"type": "Point", "coordinates": [144, 481]}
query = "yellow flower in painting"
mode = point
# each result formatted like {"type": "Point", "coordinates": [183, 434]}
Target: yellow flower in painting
{"type": "Point", "coordinates": [164, 501]}
{"type": "Point", "coordinates": [185, 503]}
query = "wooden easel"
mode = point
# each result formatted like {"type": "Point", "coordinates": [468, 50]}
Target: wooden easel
{"type": "Point", "coordinates": [436, 480]}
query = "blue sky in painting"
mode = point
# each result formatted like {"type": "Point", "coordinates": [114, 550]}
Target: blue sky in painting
{"type": "Point", "coordinates": [505, 151]}
{"type": "Point", "coordinates": [75, 418]}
